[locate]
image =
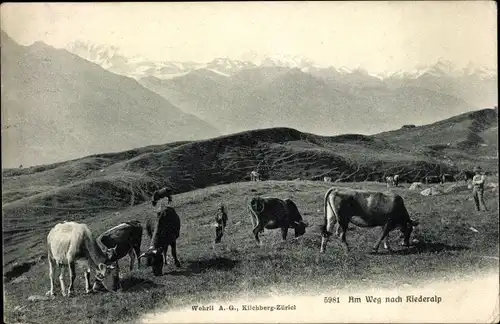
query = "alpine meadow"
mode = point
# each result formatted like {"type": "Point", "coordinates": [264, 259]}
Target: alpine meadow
{"type": "Point", "coordinates": [183, 185]}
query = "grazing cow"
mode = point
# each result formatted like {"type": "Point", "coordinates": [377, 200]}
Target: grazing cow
{"type": "Point", "coordinates": [163, 229]}
{"type": "Point", "coordinates": [396, 180]}
{"type": "Point", "coordinates": [69, 242]}
{"type": "Point", "coordinates": [221, 220]}
{"type": "Point", "coordinates": [126, 237]}
{"type": "Point", "coordinates": [365, 209]}
{"type": "Point", "coordinates": [272, 213]}
{"type": "Point", "coordinates": [160, 194]}
{"type": "Point", "coordinates": [464, 176]}
{"type": "Point", "coordinates": [432, 179]}
{"type": "Point", "coordinates": [389, 181]}
{"type": "Point", "coordinates": [447, 178]}
{"type": "Point", "coordinates": [254, 176]}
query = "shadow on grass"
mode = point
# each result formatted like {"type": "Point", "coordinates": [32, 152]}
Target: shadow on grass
{"type": "Point", "coordinates": [138, 284]}
{"type": "Point", "coordinates": [17, 270]}
{"type": "Point", "coordinates": [199, 266]}
{"type": "Point", "coordinates": [429, 247]}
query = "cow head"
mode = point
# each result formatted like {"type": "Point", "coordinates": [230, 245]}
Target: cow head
{"type": "Point", "coordinates": [111, 254]}
{"type": "Point", "coordinates": [154, 199]}
{"type": "Point", "coordinates": [154, 259]}
{"type": "Point", "coordinates": [257, 204]}
{"type": "Point", "coordinates": [407, 230]}
{"type": "Point", "coordinates": [300, 228]}
{"type": "Point", "coordinates": [107, 276]}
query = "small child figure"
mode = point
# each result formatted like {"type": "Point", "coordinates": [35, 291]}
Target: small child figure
{"type": "Point", "coordinates": [221, 219]}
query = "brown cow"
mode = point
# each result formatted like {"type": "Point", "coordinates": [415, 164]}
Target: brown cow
{"type": "Point", "coordinates": [365, 209]}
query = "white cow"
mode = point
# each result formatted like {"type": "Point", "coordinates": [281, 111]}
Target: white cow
{"type": "Point", "coordinates": [254, 176]}
{"type": "Point", "coordinates": [68, 242]}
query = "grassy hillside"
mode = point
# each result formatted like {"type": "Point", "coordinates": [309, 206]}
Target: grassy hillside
{"type": "Point", "coordinates": [105, 189]}
{"type": "Point", "coordinates": [462, 139]}
{"type": "Point", "coordinates": [57, 106]}
{"type": "Point", "coordinates": [281, 153]}
{"type": "Point", "coordinates": [446, 246]}
{"type": "Point", "coordinates": [117, 180]}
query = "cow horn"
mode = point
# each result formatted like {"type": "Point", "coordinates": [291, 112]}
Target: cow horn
{"type": "Point", "coordinates": [258, 205]}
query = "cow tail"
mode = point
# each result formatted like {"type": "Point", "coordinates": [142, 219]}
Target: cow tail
{"type": "Point", "coordinates": [326, 201]}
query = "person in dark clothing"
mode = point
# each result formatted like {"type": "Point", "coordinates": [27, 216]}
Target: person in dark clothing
{"type": "Point", "coordinates": [221, 220]}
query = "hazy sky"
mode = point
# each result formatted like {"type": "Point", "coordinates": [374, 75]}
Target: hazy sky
{"type": "Point", "coordinates": [378, 36]}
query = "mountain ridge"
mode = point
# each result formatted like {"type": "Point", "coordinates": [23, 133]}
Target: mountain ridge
{"type": "Point", "coordinates": [233, 96]}
{"type": "Point", "coordinates": [108, 53]}
{"type": "Point", "coordinates": [72, 92]}
{"type": "Point", "coordinates": [277, 96]}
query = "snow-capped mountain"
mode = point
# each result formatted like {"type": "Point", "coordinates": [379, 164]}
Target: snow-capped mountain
{"type": "Point", "coordinates": [445, 69]}
{"type": "Point", "coordinates": [137, 66]}
{"type": "Point", "coordinates": [226, 66]}
{"type": "Point", "coordinates": [111, 58]}
{"type": "Point", "coordinates": [474, 84]}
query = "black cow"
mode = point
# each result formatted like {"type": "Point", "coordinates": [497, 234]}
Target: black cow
{"type": "Point", "coordinates": [125, 238]}
{"type": "Point", "coordinates": [432, 179]}
{"type": "Point", "coordinates": [163, 230]}
{"type": "Point", "coordinates": [162, 193]}
{"type": "Point", "coordinates": [447, 178]}
{"type": "Point", "coordinates": [273, 213]}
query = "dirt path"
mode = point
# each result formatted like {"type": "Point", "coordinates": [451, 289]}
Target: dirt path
{"type": "Point", "coordinates": [465, 300]}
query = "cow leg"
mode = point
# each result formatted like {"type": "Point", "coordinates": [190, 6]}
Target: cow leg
{"type": "Point", "coordinates": [284, 233]}
{"type": "Point", "coordinates": [51, 276]}
{"type": "Point", "coordinates": [117, 269]}
{"type": "Point", "coordinates": [338, 233]}
{"type": "Point", "coordinates": [137, 252]}
{"type": "Point", "coordinates": [174, 254]}
{"type": "Point", "coordinates": [386, 243]}
{"type": "Point", "coordinates": [344, 231]}
{"type": "Point", "coordinates": [256, 232]}
{"type": "Point", "coordinates": [327, 232]}
{"type": "Point", "coordinates": [87, 280]}
{"type": "Point", "coordinates": [387, 228]}
{"type": "Point", "coordinates": [165, 255]}
{"type": "Point", "coordinates": [61, 279]}
{"type": "Point", "coordinates": [132, 260]}
{"type": "Point", "coordinates": [72, 276]}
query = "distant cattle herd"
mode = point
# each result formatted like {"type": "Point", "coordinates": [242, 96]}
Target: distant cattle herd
{"type": "Point", "coordinates": [68, 242]}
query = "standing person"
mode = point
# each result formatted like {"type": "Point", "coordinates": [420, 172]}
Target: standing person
{"type": "Point", "coordinates": [221, 219]}
{"type": "Point", "coordinates": [478, 188]}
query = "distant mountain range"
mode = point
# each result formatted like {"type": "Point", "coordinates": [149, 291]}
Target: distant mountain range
{"type": "Point", "coordinates": [110, 57]}
{"type": "Point", "coordinates": [261, 91]}
{"type": "Point", "coordinates": [57, 106]}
